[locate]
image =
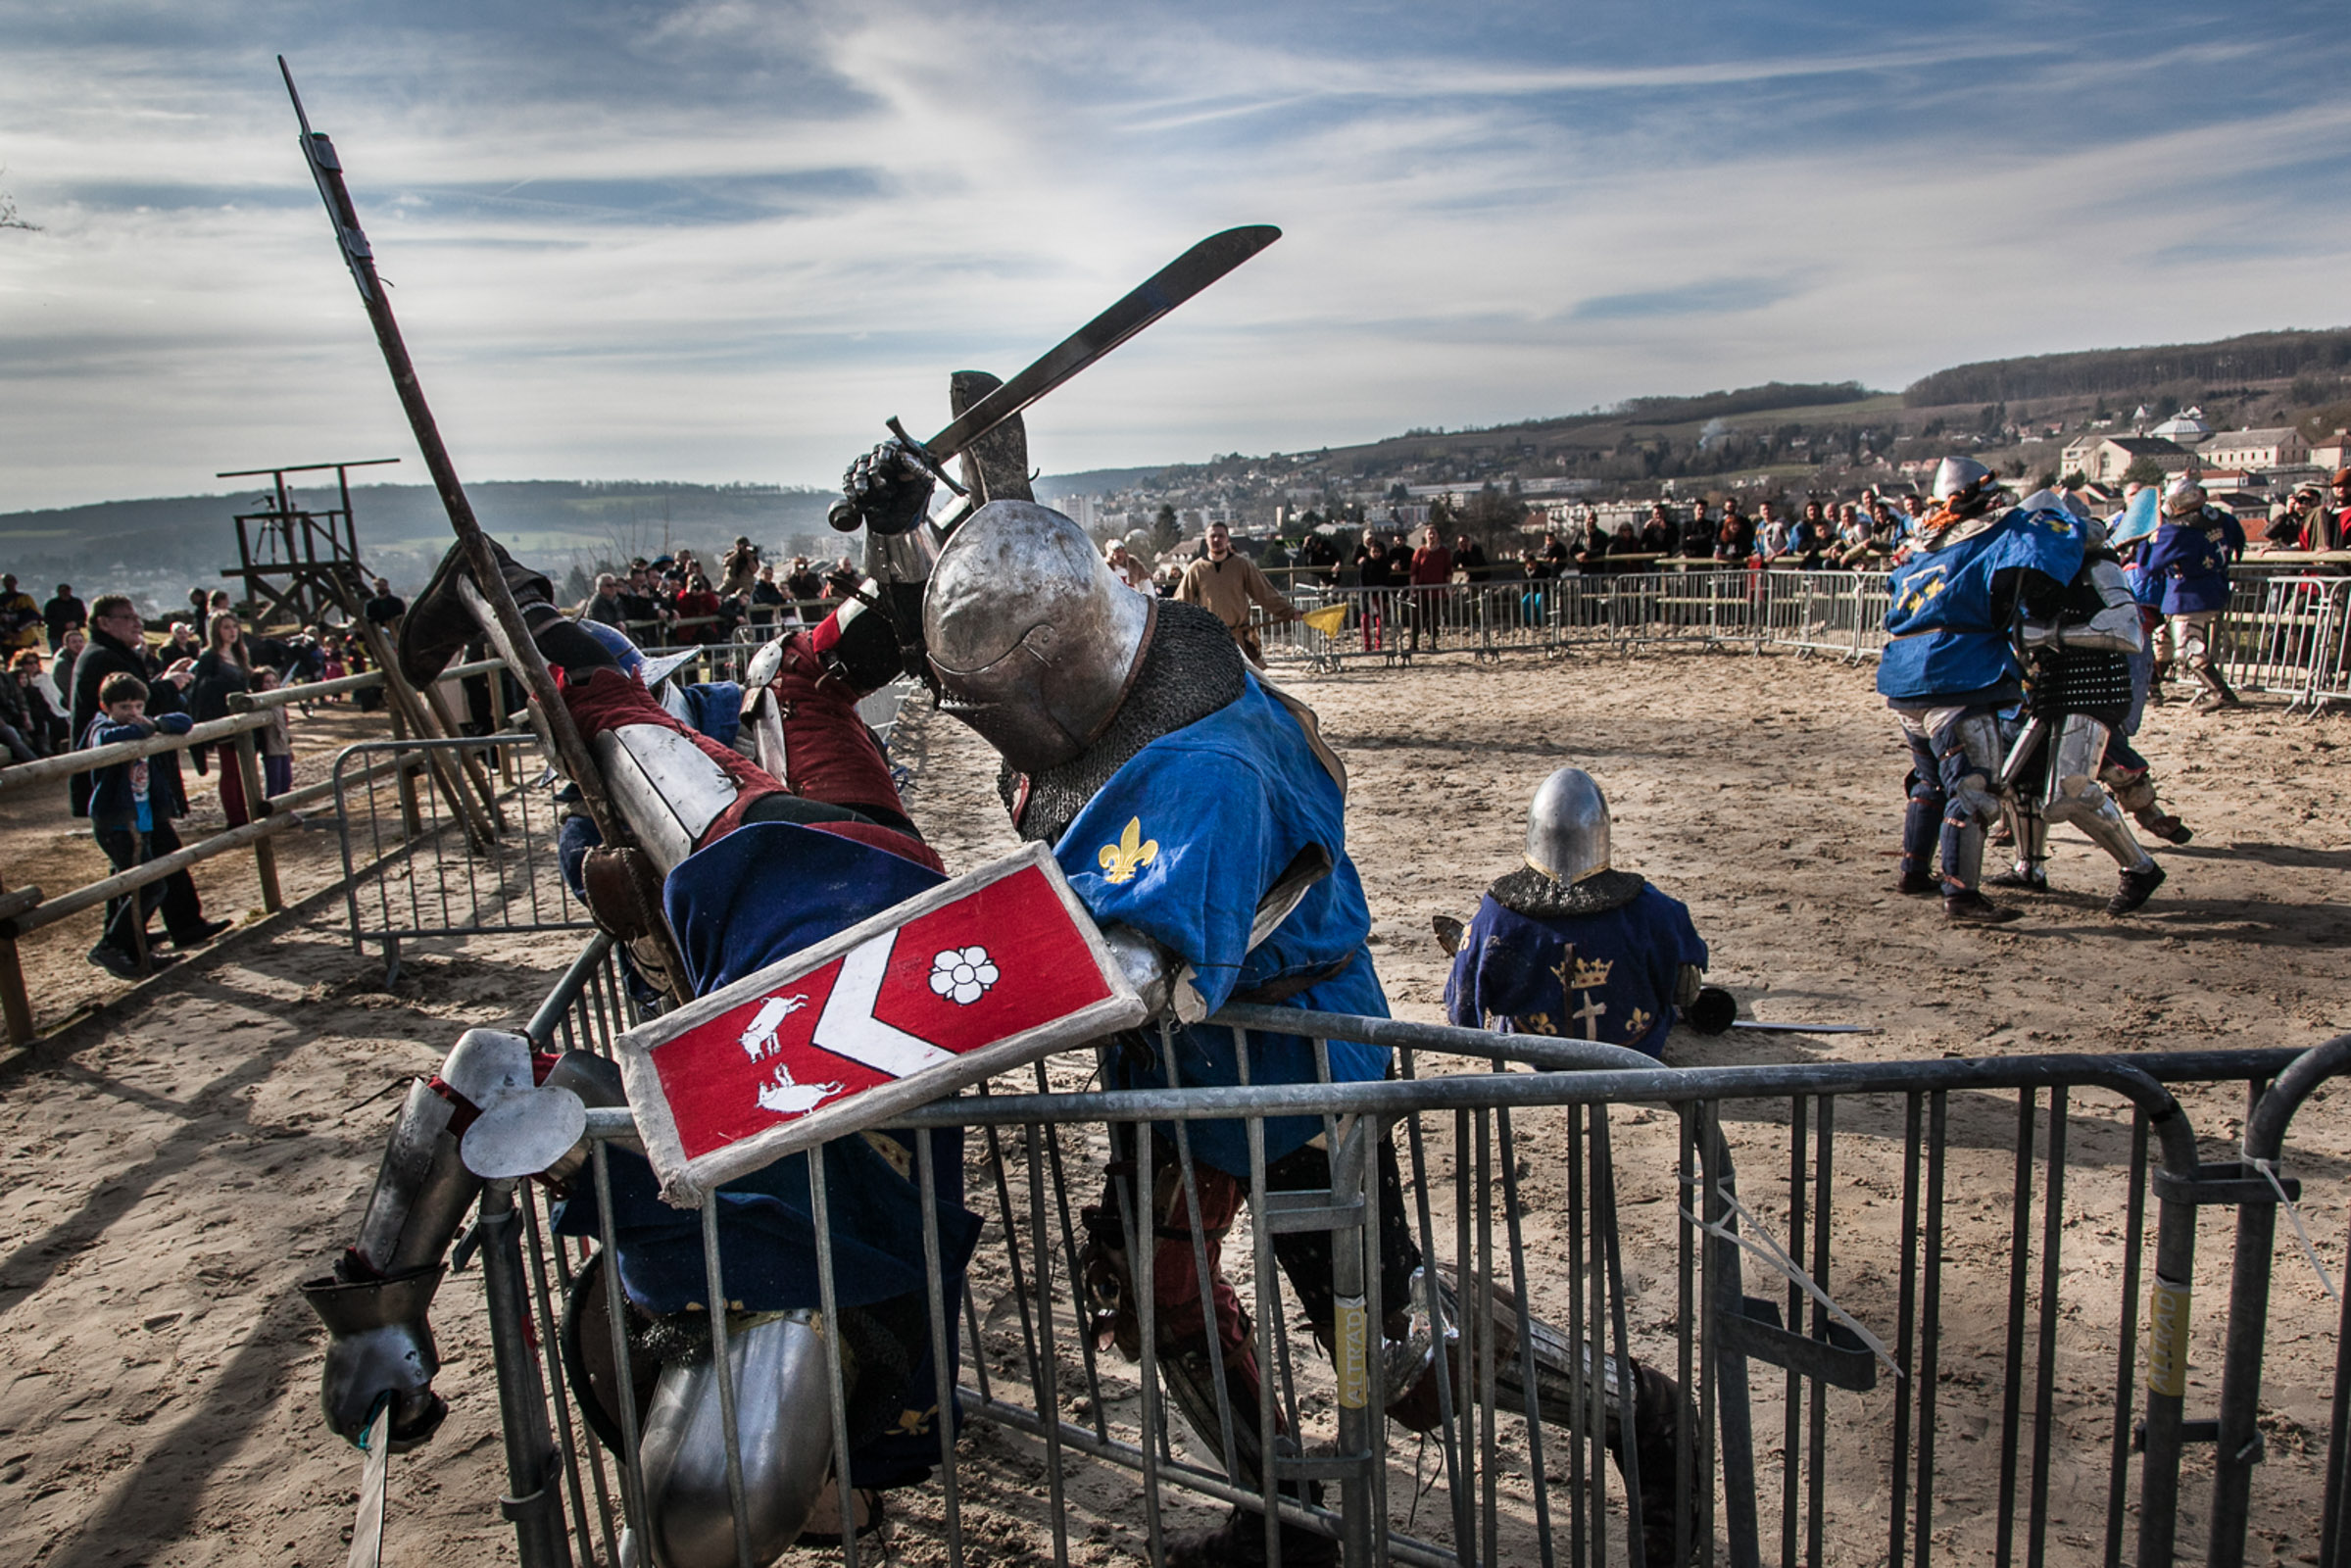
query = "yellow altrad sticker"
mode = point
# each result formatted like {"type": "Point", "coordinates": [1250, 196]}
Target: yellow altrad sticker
{"type": "Point", "coordinates": [1353, 1349]}
{"type": "Point", "coordinates": [1131, 853]}
{"type": "Point", "coordinates": [2167, 1338]}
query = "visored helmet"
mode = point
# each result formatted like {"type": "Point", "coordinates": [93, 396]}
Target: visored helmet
{"type": "Point", "coordinates": [1031, 635]}
{"type": "Point", "coordinates": [1567, 827]}
{"type": "Point", "coordinates": [2185, 498]}
{"type": "Point", "coordinates": [1965, 486]}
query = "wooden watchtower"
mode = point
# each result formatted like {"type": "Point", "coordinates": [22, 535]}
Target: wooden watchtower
{"type": "Point", "coordinates": [298, 563]}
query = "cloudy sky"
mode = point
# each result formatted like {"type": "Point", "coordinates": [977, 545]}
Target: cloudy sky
{"type": "Point", "coordinates": [722, 242]}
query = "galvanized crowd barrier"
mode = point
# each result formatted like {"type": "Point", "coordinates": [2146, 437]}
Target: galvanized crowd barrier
{"type": "Point", "coordinates": [1973, 1342]}
{"type": "Point", "coordinates": [2287, 633]}
{"type": "Point", "coordinates": [476, 857]}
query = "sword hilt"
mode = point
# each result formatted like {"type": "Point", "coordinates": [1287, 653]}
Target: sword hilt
{"type": "Point", "coordinates": [922, 455]}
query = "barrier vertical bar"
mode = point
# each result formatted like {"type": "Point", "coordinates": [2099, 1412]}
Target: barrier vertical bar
{"type": "Point", "coordinates": [533, 1503]}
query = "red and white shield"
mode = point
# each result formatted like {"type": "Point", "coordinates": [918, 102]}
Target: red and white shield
{"type": "Point", "coordinates": [973, 978]}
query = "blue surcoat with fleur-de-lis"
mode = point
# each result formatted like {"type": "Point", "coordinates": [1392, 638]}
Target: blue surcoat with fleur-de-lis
{"type": "Point", "coordinates": [1181, 843]}
{"type": "Point", "coordinates": [1947, 638]}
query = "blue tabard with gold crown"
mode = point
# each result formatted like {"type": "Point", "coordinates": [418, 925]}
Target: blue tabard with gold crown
{"type": "Point", "coordinates": [1181, 843]}
{"type": "Point", "coordinates": [1607, 976]}
{"type": "Point", "coordinates": [1946, 637]}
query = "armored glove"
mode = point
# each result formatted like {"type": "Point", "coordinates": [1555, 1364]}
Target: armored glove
{"type": "Point", "coordinates": [888, 490]}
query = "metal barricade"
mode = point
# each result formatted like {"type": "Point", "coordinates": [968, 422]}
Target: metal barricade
{"type": "Point", "coordinates": [2285, 634]}
{"type": "Point", "coordinates": [412, 868]}
{"type": "Point", "coordinates": [1958, 1252]}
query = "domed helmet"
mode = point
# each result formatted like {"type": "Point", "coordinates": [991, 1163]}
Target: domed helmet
{"type": "Point", "coordinates": [2185, 498]}
{"type": "Point", "coordinates": [1033, 638]}
{"type": "Point", "coordinates": [1567, 827]}
{"type": "Point", "coordinates": [1965, 486]}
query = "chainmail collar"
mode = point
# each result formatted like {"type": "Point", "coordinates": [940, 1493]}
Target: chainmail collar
{"type": "Point", "coordinates": [1527, 890]}
{"type": "Point", "coordinates": [1190, 668]}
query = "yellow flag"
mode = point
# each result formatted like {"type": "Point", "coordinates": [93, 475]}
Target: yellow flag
{"type": "Point", "coordinates": [1328, 619]}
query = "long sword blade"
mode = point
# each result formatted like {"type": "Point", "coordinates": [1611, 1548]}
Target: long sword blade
{"type": "Point", "coordinates": [1170, 286]}
{"type": "Point", "coordinates": [1762, 1026]}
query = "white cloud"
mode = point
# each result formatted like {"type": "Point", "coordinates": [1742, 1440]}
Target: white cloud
{"type": "Point", "coordinates": [729, 246]}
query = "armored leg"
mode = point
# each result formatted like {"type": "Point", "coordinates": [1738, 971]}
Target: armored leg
{"type": "Point", "coordinates": [2133, 782]}
{"type": "Point", "coordinates": [1963, 747]}
{"type": "Point", "coordinates": [1922, 819]}
{"type": "Point", "coordinates": [374, 1305]}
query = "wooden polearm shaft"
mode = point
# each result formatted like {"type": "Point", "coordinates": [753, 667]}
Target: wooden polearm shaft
{"type": "Point", "coordinates": [522, 654]}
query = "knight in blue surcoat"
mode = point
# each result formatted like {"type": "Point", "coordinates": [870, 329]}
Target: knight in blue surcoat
{"type": "Point", "coordinates": [1567, 944]}
{"type": "Point", "coordinates": [1974, 571]}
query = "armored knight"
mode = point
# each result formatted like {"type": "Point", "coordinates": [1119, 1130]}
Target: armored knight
{"type": "Point", "coordinates": [2078, 692]}
{"type": "Point", "coordinates": [1568, 944]}
{"type": "Point", "coordinates": [1201, 819]}
{"type": "Point", "coordinates": [2184, 572]}
{"type": "Point", "coordinates": [1949, 668]}
{"type": "Point", "coordinates": [742, 862]}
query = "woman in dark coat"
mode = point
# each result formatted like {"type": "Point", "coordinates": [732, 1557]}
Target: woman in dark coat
{"type": "Point", "coordinates": [221, 669]}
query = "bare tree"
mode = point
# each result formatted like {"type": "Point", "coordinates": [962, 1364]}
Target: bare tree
{"type": "Point", "coordinates": [8, 211]}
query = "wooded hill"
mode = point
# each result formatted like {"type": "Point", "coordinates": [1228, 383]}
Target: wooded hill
{"type": "Point", "coordinates": [2322, 358]}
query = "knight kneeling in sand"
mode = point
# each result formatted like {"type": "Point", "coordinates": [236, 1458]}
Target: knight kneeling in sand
{"type": "Point", "coordinates": [1199, 818]}
{"type": "Point", "coordinates": [742, 862]}
{"type": "Point", "coordinates": [1569, 946]}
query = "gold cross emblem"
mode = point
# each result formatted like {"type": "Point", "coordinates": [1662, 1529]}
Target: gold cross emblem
{"type": "Point", "coordinates": [1131, 853]}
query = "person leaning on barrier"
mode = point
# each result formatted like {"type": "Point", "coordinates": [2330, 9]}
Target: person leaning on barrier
{"type": "Point", "coordinates": [131, 806]}
{"type": "Point", "coordinates": [1697, 532]}
{"type": "Point", "coordinates": [746, 861]}
{"type": "Point", "coordinates": [1948, 668]}
{"type": "Point", "coordinates": [1201, 819]}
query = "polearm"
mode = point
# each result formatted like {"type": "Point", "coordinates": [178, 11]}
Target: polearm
{"type": "Point", "coordinates": [524, 654]}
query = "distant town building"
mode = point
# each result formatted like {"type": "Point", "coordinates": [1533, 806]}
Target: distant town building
{"type": "Point", "coordinates": [2104, 458]}
{"type": "Point", "coordinates": [2281, 448]}
{"type": "Point", "coordinates": [1084, 511]}
{"type": "Point", "coordinates": [2185, 429]}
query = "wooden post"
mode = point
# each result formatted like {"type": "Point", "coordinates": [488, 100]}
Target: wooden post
{"type": "Point", "coordinates": [14, 1004]}
{"type": "Point", "coordinates": [265, 851]}
{"type": "Point", "coordinates": [411, 822]}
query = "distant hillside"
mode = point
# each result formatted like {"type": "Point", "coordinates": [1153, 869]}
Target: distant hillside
{"type": "Point", "coordinates": [402, 527]}
{"type": "Point", "coordinates": [2128, 373]}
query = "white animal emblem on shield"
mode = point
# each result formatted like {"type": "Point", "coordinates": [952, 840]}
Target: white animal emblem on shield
{"type": "Point", "coordinates": [787, 1096]}
{"type": "Point", "coordinates": [759, 1039]}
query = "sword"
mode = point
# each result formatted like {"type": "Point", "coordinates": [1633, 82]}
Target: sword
{"type": "Point", "coordinates": [1803, 1028]}
{"type": "Point", "coordinates": [1170, 286]}
{"type": "Point", "coordinates": [367, 1528]}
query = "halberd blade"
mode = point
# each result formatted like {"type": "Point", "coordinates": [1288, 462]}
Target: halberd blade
{"type": "Point", "coordinates": [1170, 286]}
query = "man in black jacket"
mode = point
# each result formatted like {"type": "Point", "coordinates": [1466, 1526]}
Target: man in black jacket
{"type": "Point", "coordinates": [118, 646]}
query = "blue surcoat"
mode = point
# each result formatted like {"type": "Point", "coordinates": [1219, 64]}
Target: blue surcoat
{"type": "Point", "coordinates": [1181, 843]}
{"type": "Point", "coordinates": [1608, 976]}
{"type": "Point", "coordinates": [1946, 639]}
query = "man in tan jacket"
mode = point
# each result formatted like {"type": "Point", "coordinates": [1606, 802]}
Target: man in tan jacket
{"type": "Point", "coordinates": [1226, 584]}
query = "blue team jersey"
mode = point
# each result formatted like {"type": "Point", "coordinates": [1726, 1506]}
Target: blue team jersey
{"type": "Point", "coordinates": [1181, 843]}
{"type": "Point", "coordinates": [1946, 639]}
{"type": "Point", "coordinates": [2184, 570]}
{"type": "Point", "coordinates": [1607, 977]}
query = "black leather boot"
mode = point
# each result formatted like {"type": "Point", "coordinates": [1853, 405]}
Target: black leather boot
{"type": "Point", "coordinates": [438, 622]}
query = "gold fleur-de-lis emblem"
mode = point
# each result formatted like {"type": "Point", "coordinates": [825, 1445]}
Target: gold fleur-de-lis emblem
{"type": "Point", "coordinates": [1639, 1024]}
{"type": "Point", "coordinates": [1538, 1023]}
{"type": "Point", "coordinates": [1131, 853]}
{"type": "Point", "coordinates": [1592, 972]}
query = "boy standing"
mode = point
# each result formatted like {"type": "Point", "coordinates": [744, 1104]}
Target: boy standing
{"type": "Point", "coordinates": [131, 806]}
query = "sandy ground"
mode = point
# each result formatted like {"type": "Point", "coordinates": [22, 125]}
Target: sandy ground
{"type": "Point", "coordinates": [174, 1167]}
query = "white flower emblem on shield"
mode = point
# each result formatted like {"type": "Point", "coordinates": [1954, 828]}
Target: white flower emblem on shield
{"type": "Point", "coordinates": [963, 974]}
